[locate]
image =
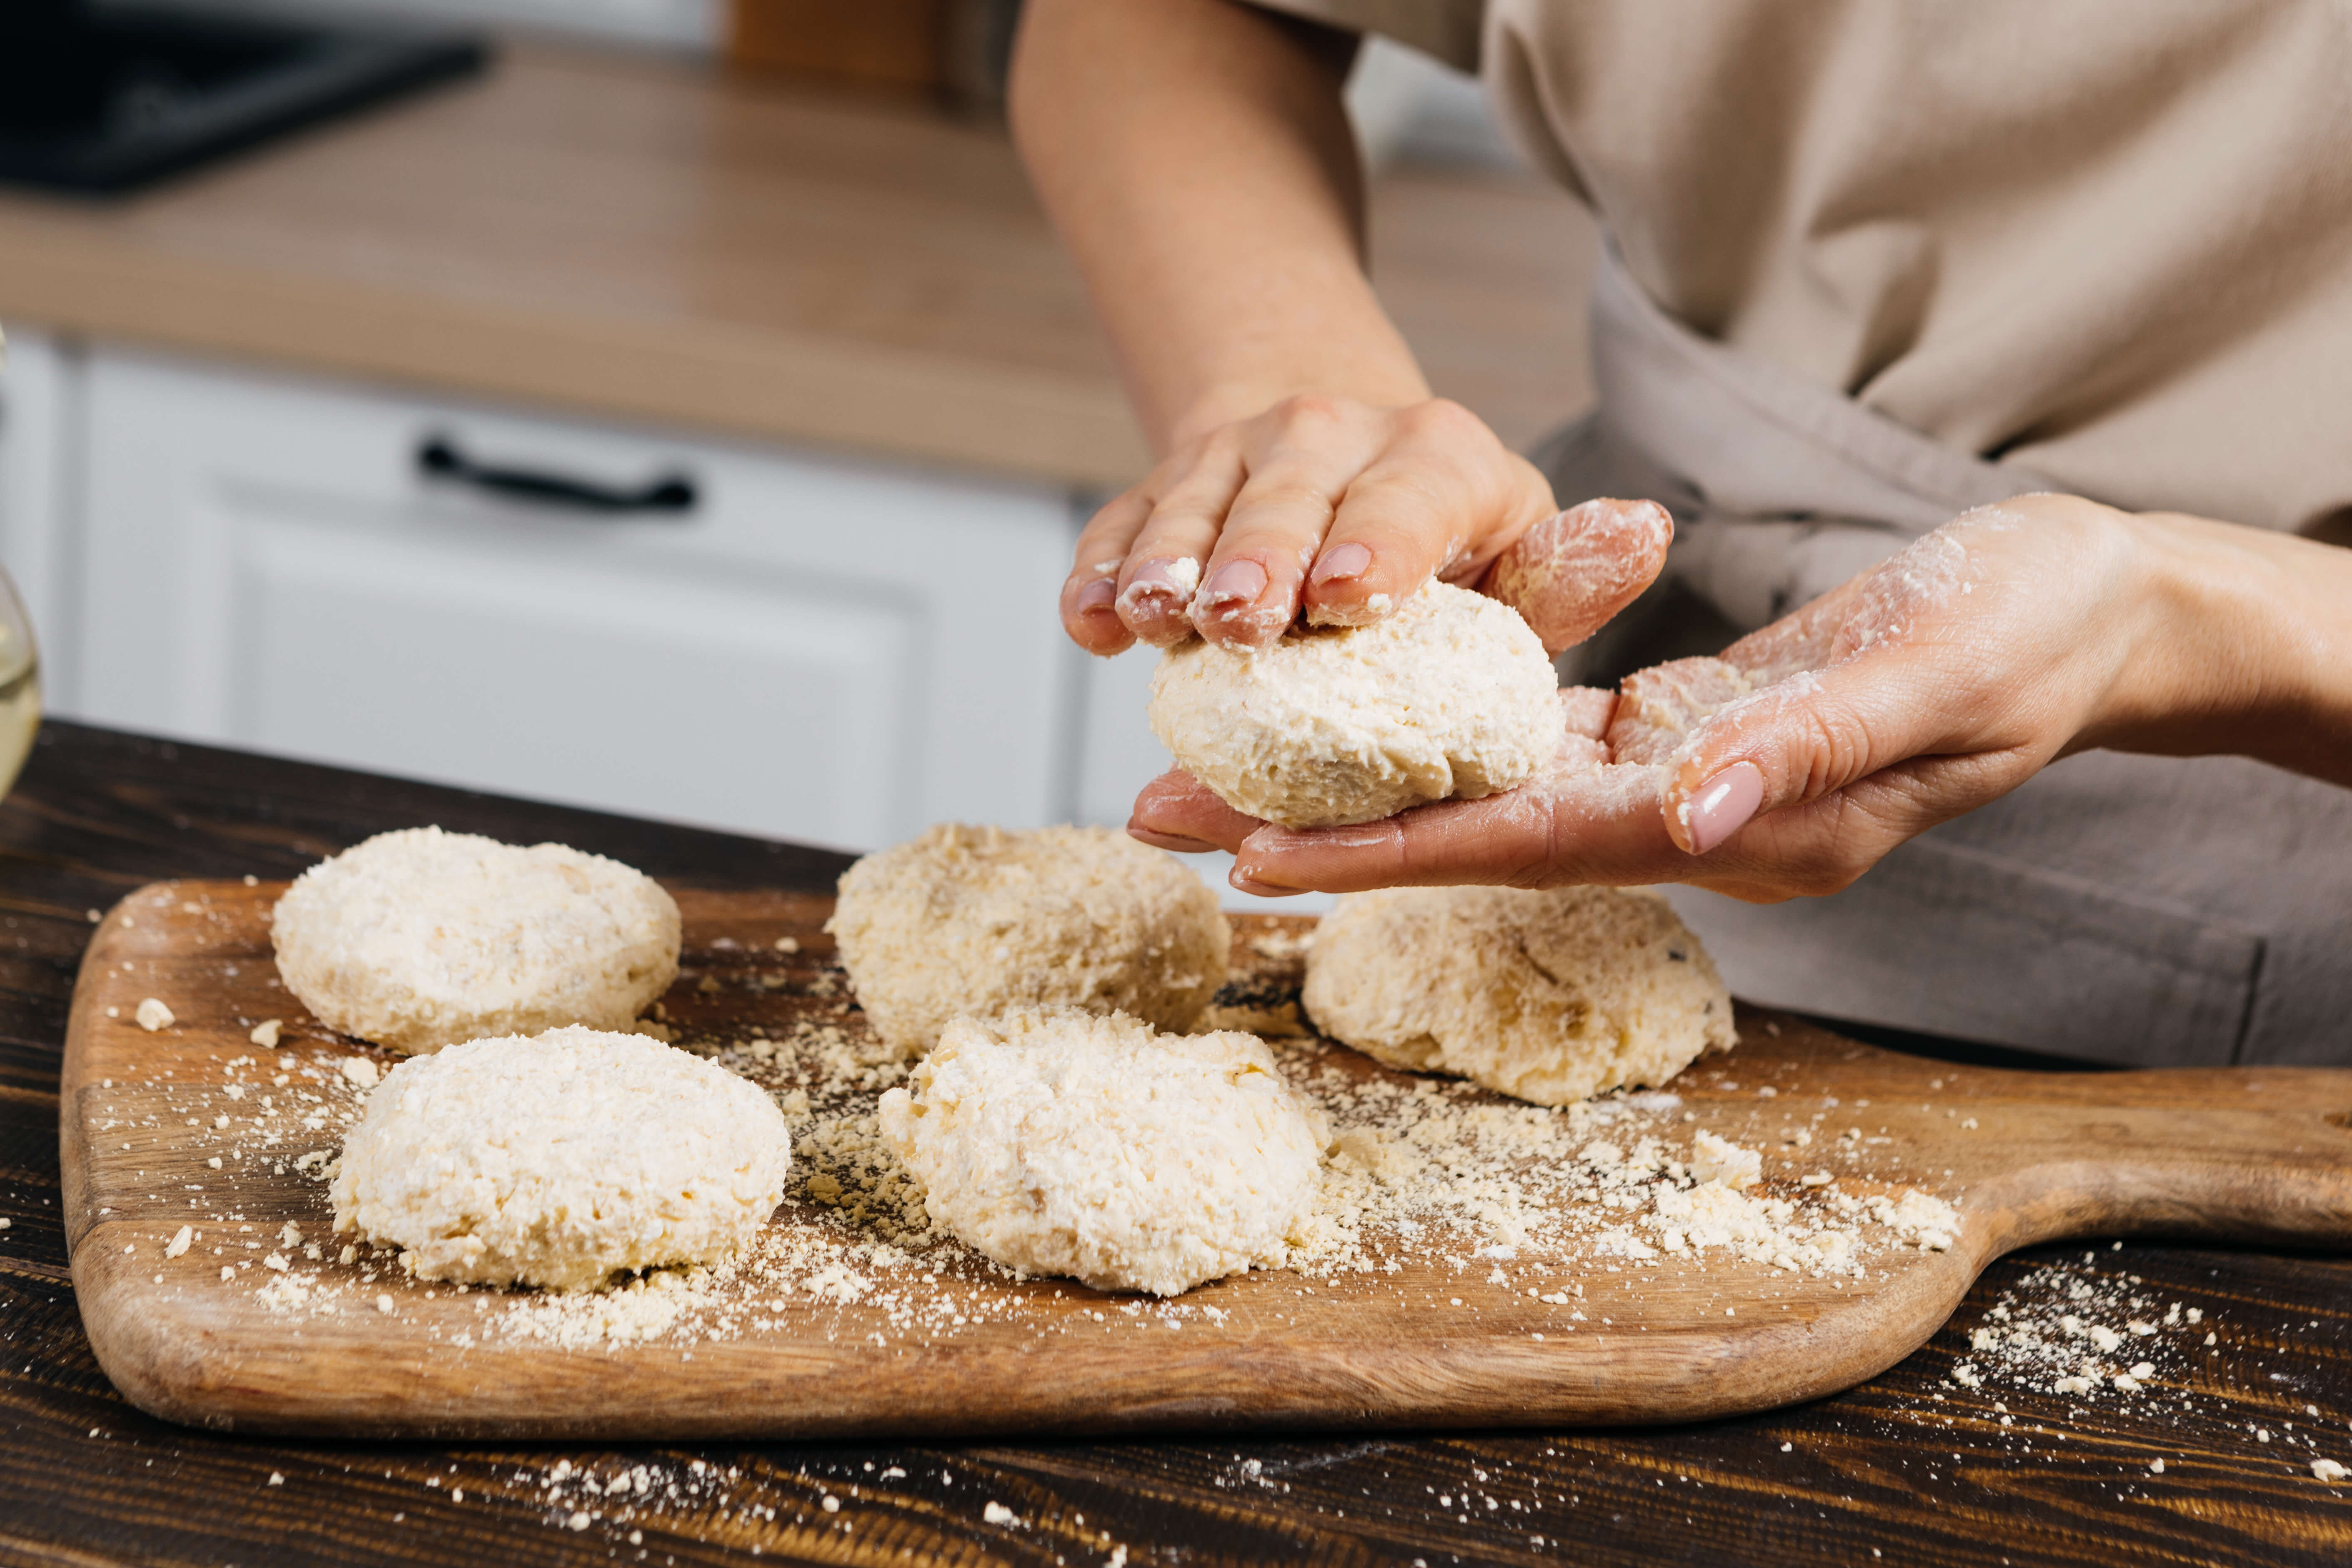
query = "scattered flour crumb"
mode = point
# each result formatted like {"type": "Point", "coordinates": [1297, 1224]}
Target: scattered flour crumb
{"type": "Point", "coordinates": [1718, 1159]}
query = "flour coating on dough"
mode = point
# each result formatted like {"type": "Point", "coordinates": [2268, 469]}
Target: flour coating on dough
{"type": "Point", "coordinates": [1552, 995]}
{"type": "Point", "coordinates": [976, 920]}
{"type": "Point", "coordinates": [1067, 1144]}
{"type": "Point", "coordinates": [1451, 697]}
{"type": "Point", "coordinates": [560, 1160]}
{"type": "Point", "coordinates": [419, 938]}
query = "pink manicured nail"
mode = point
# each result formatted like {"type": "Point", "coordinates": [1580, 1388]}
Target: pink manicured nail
{"type": "Point", "coordinates": [1349, 559]}
{"type": "Point", "coordinates": [1159, 588]}
{"type": "Point", "coordinates": [1263, 889]}
{"type": "Point", "coordinates": [1237, 582]}
{"type": "Point", "coordinates": [1096, 595]}
{"type": "Point", "coordinates": [1177, 843]}
{"type": "Point", "coordinates": [1723, 806]}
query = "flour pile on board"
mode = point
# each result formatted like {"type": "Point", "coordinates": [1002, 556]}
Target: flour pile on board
{"type": "Point", "coordinates": [1450, 1170]}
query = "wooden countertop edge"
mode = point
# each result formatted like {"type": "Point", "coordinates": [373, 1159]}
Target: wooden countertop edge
{"type": "Point", "coordinates": [882, 402]}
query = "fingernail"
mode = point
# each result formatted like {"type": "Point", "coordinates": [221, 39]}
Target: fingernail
{"type": "Point", "coordinates": [1349, 559]}
{"type": "Point", "coordinates": [1096, 595]}
{"type": "Point", "coordinates": [1176, 843]}
{"type": "Point", "coordinates": [1722, 805]}
{"type": "Point", "coordinates": [1237, 582]}
{"type": "Point", "coordinates": [1171, 579]}
{"type": "Point", "coordinates": [1262, 889]}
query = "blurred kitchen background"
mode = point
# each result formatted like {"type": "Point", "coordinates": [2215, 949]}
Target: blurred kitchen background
{"type": "Point", "coordinates": [665, 406]}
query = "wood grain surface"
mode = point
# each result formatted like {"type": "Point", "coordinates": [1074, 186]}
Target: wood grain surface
{"type": "Point", "coordinates": [2234, 1154]}
{"type": "Point", "coordinates": [1912, 1466]}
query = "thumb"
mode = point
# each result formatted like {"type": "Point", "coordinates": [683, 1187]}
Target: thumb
{"type": "Point", "coordinates": [1569, 573]}
{"type": "Point", "coordinates": [1808, 736]}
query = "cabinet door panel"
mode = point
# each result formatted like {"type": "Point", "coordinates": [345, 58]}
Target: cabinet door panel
{"type": "Point", "coordinates": [820, 649]}
{"type": "Point", "coordinates": [716, 701]}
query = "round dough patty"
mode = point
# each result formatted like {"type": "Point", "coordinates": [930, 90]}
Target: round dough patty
{"type": "Point", "coordinates": [560, 1160]}
{"type": "Point", "coordinates": [978, 921]}
{"type": "Point", "coordinates": [1450, 697]}
{"type": "Point", "coordinates": [1552, 995]}
{"type": "Point", "coordinates": [1067, 1144]}
{"type": "Point", "coordinates": [419, 938]}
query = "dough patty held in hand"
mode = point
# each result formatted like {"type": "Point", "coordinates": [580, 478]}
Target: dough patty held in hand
{"type": "Point", "coordinates": [980, 921]}
{"type": "Point", "coordinates": [1552, 995]}
{"type": "Point", "coordinates": [1066, 1143]}
{"type": "Point", "coordinates": [1451, 697]}
{"type": "Point", "coordinates": [419, 938]}
{"type": "Point", "coordinates": [560, 1160]}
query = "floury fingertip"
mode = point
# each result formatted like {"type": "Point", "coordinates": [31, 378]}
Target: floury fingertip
{"type": "Point", "coordinates": [1722, 806]}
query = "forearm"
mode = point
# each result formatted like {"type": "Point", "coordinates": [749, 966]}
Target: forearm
{"type": "Point", "coordinates": [1196, 157]}
{"type": "Point", "coordinates": [2249, 649]}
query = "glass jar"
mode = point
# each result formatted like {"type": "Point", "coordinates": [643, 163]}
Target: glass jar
{"type": "Point", "coordinates": [20, 685]}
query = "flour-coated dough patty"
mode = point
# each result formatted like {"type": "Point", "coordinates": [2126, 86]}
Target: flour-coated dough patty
{"type": "Point", "coordinates": [560, 1159]}
{"type": "Point", "coordinates": [976, 920]}
{"type": "Point", "coordinates": [419, 938]}
{"type": "Point", "coordinates": [1451, 697]}
{"type": "Point", "coordinates": [1552, 995]}
{"type": "Point", "coordinates": [1064, 1143]}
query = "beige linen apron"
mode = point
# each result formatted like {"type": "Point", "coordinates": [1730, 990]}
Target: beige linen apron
{"type": "Point", "coordinates": [2153, 911]}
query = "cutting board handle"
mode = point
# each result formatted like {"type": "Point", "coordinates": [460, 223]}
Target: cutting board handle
{"type": "Point", "coordinates": [2261, 1157]}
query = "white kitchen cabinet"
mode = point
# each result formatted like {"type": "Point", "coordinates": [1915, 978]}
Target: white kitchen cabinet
{"type": "Point", "coordinates": [820, 648]}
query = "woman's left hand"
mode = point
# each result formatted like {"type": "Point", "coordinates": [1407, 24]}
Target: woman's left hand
{"type": "Point", "coordinates": [1936, 682]}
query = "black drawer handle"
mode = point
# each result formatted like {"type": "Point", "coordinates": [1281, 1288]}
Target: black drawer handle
{"type": "Point", "coordinates": [672, 493]}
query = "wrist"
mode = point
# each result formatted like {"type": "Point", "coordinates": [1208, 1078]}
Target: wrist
{"type": "Point", "coordinates": [2243, 648]}
{"type": "Point", "coordinates": [1230, 403]}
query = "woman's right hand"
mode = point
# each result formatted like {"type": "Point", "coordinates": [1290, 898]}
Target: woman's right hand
{"type": "Point", "coordinates": [1335, 512]}
{"type": "Point", "coordinates": [1319, 508]}
{"type": "Point", "coordinates": [1198, 159]}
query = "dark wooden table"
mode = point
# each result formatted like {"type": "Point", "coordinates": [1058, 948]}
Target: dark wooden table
{"type": "Point", "coordinates": [1911, 1468]}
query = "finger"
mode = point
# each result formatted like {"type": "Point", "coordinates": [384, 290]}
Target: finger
{"type": "Point", "coordinates": [1604, 826]}
{"type": "Point", "coordinates": [1490, 839]}
{"type": "Point", "coordinates": [1441, 500]}
{"type": "Point", "coordinates": [1659, 708]}
{"type": "Point", "coordinates": [1163, 563]}
{"type": "Point", "coordinates": [1821, 846]}
{"type": "Point", "coordinates": [1089, 594]}
{"type": "Point", "coordinates": [1586, 711]}
{"type": "Point", "coordinates": [1574, 824]}
{"type": "Point", "coordinates": [1177, 812]}
{"type": "Point", "coordinates": [1569, 573]}
{"type": "Point", "coordinates": [1306, 452]}
{"type": "Point", "coordinates": [1825, 732]}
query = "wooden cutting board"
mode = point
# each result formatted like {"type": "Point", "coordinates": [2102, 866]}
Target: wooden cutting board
{"type": "Point", "coordinates": [1418, 1339]}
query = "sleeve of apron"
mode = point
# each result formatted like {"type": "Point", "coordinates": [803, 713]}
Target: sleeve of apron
{"type": "Point", "coordinates": [1445, 30]}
